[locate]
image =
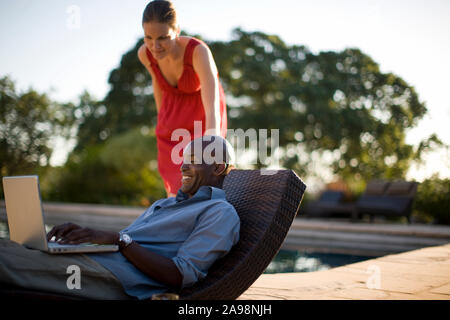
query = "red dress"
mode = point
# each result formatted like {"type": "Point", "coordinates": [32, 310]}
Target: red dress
{"type": "Point", "coordinates": [180, 107]}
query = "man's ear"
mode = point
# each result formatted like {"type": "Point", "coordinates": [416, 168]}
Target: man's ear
{"type": "Point", "coordinates": [219, 169]}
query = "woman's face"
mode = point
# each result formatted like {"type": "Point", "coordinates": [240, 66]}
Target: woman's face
{"type": "Point", "coordinates": [159, 38]}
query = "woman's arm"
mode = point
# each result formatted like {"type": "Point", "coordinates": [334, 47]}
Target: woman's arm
{"type": "Point", "coordinates": [206, 70]}
{"type": "Point", "coordinates": [157, 94]}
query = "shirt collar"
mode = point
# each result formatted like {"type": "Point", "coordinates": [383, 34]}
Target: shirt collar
{"type": "Point", "coordinates": [203, 193]}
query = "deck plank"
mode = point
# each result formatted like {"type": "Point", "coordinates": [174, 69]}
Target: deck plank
{"type": "Point", "coordinates": [418, 274]}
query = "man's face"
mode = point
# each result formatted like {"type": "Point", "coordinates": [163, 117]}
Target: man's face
{"type": "Point", "coordinates": [195, 173]}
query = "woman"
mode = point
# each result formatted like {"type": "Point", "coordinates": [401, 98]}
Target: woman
{"type": "Point", "coordinates": [186, 88]}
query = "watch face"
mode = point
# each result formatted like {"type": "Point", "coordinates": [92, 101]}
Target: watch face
{"type": "Point", "coordinates": [126, 238]}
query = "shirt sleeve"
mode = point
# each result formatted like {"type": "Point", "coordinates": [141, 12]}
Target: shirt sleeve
{"type": "Point", "coordinates": [216, 231]}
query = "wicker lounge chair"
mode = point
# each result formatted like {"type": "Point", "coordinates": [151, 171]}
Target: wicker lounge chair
{"type": "Point", "coordinates": [267, 205]}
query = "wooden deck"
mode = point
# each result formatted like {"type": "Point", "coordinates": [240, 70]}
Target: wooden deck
{"type": "Point", "coordinates": [419, 274]}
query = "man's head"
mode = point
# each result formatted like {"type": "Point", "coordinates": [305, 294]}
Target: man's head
{"type": "Point", "coordinates": [206, 162]}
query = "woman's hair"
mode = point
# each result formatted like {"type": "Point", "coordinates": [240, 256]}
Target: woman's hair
{"type": "Point", "coordinates": [160, 11]}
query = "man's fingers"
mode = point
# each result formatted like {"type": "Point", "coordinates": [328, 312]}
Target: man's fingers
{"type": "Point", "coordinates": [61, 230]}
{"type": "Point", "coordinates": [55, 232]}
{"type": "Point", "coordinates": [51, 234]}
{"type": "Point", "coordinates": [76, 235]}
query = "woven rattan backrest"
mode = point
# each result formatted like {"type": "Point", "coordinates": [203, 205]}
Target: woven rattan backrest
{"type": "Point", "coordinates": [267, 205]}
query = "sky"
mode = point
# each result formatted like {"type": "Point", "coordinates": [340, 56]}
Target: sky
{"type": "Point", "coordinates": [64, 47]}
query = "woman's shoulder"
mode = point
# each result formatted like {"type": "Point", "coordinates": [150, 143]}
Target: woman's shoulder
{"type": "Point", "coordinates": [195, 49]}
{"type": "Point", "coordinates": [201, 54]}
{"type": "Point", "coordinates": [193, 41]}
{"type": "Point", "coordinates": [142, 54]}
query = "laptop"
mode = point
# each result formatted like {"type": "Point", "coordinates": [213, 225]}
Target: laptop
{"type": "Point", "coordinates": [26, 218]}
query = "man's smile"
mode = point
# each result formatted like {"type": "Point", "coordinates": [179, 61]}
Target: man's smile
{"type": "Point", "coordinates": [186, 179]}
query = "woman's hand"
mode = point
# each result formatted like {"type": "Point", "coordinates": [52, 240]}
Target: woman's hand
{"type": "Point", "coordinates": [70, 233]}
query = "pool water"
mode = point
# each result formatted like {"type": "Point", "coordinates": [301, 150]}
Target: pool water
{"type": "Point", "coordinates": [285, 260]}
{"type": "Point", "coordinates": [302, 261]}
{"type": "Point", "coordinates": [3, 230]}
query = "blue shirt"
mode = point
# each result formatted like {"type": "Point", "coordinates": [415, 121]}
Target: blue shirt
{"type": "Point", "coordinates": [192, 232]}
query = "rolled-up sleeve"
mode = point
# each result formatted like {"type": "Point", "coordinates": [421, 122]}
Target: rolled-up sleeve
{"type": "Point", "coordinates": [215, 233]}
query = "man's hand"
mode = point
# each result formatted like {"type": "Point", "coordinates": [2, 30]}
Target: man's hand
{"type": "Point", "coordinates": [70, 233]}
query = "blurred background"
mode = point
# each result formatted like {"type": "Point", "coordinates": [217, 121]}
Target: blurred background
{"type": "Point", "coordinates": [358, 90]}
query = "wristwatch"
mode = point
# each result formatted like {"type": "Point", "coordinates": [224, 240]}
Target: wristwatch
{"type": "Point", "coordinates": [124, 240]}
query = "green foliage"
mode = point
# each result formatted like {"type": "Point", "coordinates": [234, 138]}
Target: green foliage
{"type": "Point", "coordinates": [131, 150]}
{"type": "Point", "coordinates": [337, 107]}
{"type": "Point", "coordinates": [120, 171]}
{"type": "Point", "coordinates": [433, 200]}
{"type": "Point", "coordinates": [334, 104]}
{"type": "Point", "coordinates": [28, 121]}
{"type": "Point", "coordinates": [128, 104]}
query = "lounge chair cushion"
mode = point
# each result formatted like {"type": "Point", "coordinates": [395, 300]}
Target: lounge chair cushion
{"type": "Point", "coordinates": [399, 188]}
{"type": "Point", "coordinates": [330, 196]}
{"type": "Point", "coordinates": [387, 204]}
{"type": "Point", "coordinates": [376, 187]}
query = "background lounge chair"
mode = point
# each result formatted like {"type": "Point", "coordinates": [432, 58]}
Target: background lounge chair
{"type": "Point", "coordinates": [387, 199]}
{"type": "Point", "coordinates": [329, 204]}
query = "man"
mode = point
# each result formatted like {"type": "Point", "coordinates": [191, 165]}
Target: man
{"type": "Point", "coordinates": [170, 246]}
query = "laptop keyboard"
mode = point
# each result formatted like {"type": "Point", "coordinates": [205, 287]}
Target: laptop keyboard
{"type": "Point", "coordinates": [53, 244]}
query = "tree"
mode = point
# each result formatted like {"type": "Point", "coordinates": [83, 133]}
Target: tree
{"type": "Point", "coordinates": [433, 200]}
{"type": "Point", "coordinates": [129, 104]}
{"type": "Point", "coordinates": [28, 122]}
{"type": "Point", "coordinates": [337, 108]}
{"type": "Point", "coordinates": [121, 171]}
{"type": "Point", "coordinates": [334, 105]}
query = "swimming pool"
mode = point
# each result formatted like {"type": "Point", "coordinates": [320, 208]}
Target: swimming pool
{"type": "Point", "coordinates": [3, 230]}
{"type": "Point", "coordinates": [302, 261]}
{"type": "Point", "coordinates": [285, 260]}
